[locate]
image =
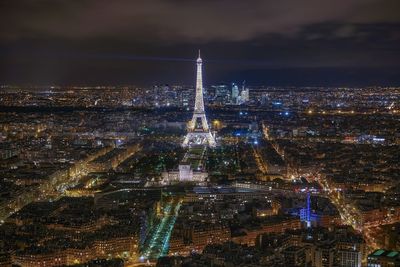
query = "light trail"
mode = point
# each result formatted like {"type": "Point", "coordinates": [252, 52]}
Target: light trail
{"type": "Point", "coordinates": [349, 217]}
{"type": "Point", "coordinates": [260, 161]}
{"type": "Point", "coordinates": [158, 240]}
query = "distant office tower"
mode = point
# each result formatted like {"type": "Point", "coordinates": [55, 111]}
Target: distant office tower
{"type": "Point", "coordinates": [221, 90]}
{"type": "Point", "coordinates": [235, 93]}
{"type": "Point", "coordinates": [198, 131]}
{"type": "Point", "coordinates": [185, 97]}
{"type": "Point", "coordinates": [244, 95]}
{"type": "Point", "coordinates": [264, 99]}
{"type": "Point", "coordinates": [222, 94]}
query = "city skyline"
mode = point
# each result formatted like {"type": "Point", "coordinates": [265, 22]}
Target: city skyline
{"type": "Point", "coordinates": [121, 145]}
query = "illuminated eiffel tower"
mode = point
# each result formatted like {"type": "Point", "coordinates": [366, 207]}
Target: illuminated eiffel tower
{"type": "Point", "coordinates": [198, 130]}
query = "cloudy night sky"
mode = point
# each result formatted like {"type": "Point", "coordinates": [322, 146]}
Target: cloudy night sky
{"type": "Point", "coordinates": [285, 42]}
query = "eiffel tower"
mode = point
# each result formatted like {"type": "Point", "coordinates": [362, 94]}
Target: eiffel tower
{"type": "Point", "coordinates": [198, 130]}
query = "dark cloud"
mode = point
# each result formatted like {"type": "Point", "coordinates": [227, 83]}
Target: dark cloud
{"type": "Point", "coordinates": [145, 40]}
{"type": "Point", "coordinates": [183, 21]}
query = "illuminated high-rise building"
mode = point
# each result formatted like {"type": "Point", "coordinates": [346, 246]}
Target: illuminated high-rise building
{"type": "Point", "coordinates": [198, 130]}
{"type": "Point", "coordinates": [235, 93]}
